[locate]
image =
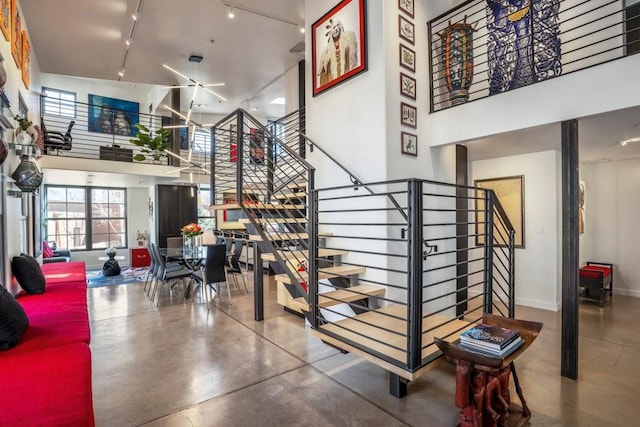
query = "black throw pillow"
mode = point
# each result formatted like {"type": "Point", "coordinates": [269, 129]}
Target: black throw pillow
{"type": "Point", "coordinates": [13, 320]}
{"type": "Point", "coordinates": [28, 273]}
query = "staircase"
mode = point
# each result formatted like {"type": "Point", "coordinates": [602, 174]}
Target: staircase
{"type": "Point", "coordinates": [378, 269]}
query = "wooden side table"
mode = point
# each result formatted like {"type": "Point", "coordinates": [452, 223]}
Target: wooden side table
{"type": "Point", "coordinates": [482, 382]}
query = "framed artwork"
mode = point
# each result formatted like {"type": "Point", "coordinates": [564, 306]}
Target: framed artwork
{"type": "Point", "coordinates": [406, 30]}
{"type": "Point", "coordinates": [184, 132]}
{"type": "Point", "coordinates": [338, 45]}
{"type": "Point", "coordinates": [510, 192]}
{"type": "Point", "coordinates": [16, 34]}
{"type": "Point", "coordinates": [409, 143]}
{"type": "Point", "coordinates": [406, 6]}
{"type": "Point", "coordinates": [113, 116]}
{"type": "Point", "coordinates": [26, 59]}
{"type": "Point", "coordinates": [5, 18]}
{"type": "Point", "coordinates": [256, 146]}
{"type": "Point", "coordinates": [407, 58]}
{"type": "Point", "coordinates": [407, 86]}
{"type": "Point", "coordinates": [408, 115]}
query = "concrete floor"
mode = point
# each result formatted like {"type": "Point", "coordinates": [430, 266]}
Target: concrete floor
{"type": "Point", "coordinates": [183, 365]}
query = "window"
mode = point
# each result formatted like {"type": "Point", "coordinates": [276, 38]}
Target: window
{"type": "Point", "coordinates": [58, 103]}
{"type": "Point", "coordinates": [206, 218]}
{"type": "Point", "coordinates": [632, 26]}
{"type": "Point", "coordinates": [202, 142]}
{"type": "Point", "coordinates": [86, 218]}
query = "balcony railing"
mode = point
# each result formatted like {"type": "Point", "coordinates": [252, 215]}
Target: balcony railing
{"type": "Point", "coordinates": [101, 135]}
{"type": "Point", "coordinates": [482, 48]}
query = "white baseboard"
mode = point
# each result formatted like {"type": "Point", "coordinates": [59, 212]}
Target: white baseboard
{"type": "Point", "coordinates": [544, 305]}
{"type": "Point", "coordinates": [626, 292]}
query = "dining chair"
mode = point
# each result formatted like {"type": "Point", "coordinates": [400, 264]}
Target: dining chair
{"type": "Point", "coordinates": [167, 274]}
{"type": "Point", "coordinates": [234, 267]}
{"type": "Point", "coordinates": [214, 272]}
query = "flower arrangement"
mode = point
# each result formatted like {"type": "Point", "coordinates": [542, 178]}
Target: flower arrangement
{"type": "Point", "coordinates": [191, 230]}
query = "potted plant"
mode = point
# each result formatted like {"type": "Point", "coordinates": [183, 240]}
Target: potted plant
{"type": "Point", "coordinates": [152, 145]}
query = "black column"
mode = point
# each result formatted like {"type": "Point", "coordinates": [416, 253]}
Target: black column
{"type": "Point", "coordinates": [175, 120]}
{"type": "Point", "coordinates": [301, 108]}
{"type": "Point", "coordinates": [570, 249]}
{"type": "Point", "coordinates": [462, 230]}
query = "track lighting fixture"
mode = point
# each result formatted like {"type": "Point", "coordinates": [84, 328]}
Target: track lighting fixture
{"type": "Point", "coordinates": [230, 13]}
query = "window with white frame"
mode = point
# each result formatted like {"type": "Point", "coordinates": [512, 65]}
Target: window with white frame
{"type": "Point", "coordinates": [59, 103]}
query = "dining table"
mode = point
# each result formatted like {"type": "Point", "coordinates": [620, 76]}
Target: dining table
{"type": "Point", "coordinates": [192, 258]}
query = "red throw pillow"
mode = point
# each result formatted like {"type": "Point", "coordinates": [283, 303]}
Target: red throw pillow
{"type": "Point", "coordinates": [47, 252]}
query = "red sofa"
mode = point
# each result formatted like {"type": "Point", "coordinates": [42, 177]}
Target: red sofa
{"type": "Point", "coordinates": [46, 378]}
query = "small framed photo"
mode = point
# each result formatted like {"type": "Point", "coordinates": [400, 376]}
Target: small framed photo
{"type": "Point", "coordinates": [407, 86]}
{"type": "Point", "coordinates": [407, 58]}
{"type": "Point", "coordinates": [406, 30]}
{"type": "Point", "coordinates": [406, 6]}
{"type": "Point", "coordinates": [408, 115]}
{"type": "Point", "coordinates": [409, 143]}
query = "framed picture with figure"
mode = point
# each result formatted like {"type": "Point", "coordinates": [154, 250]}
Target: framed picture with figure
{"type": "Point", "coordinates": [16, 34]}
{"type": "Point", "coordinates": [5, 18]}
{"type": "Point", "coordinates": [408, 115]}
{"type": "Point", "coordinates": [409, 143]}
{"type": "Point", "coordinates": [338, 45]}
{"type": "Point", "coordinates": [26, 60]}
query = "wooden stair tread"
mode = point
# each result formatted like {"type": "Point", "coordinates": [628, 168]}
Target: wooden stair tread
{"type": "Point", "coordinates": [389, 335]}
{"type": "Point", "coordinates": [275, 237]}
{"type": "Point", "coordinates": [323, 273]}
{"type": "Point", "coordinates": [300, 255]}
{"type": "Point", "coordinates": [280, 236]}
{"type": "Point", "coordinates": [275, 220]}
{"type": "Point", "coordinates": [273, 206]}
{"type": "Point", "coordinates": [354, 293]}
{"type": "Point", "coordinates": [295, 195]}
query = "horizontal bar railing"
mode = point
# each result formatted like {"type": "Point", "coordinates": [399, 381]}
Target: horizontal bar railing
{"type": "Point", "coordinates": [482, 48]}
{"type": "Point", "coordinates": [245, 155]}
{"type": "Point", "coordinates": [107, 136]}
{"type": "Point", "coordinates": [372, 236]}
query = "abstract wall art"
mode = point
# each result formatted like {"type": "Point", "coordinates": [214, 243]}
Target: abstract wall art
{"type": "Point", "coordinates": [523, 44]}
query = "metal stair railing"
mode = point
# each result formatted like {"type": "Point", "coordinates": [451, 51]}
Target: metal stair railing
{"type": "Point", "coordinates": [426, 297]}
{"type": "Point", "coordinates": [244, 162]}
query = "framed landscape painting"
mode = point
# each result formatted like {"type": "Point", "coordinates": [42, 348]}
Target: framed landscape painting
{"type": "Point", "coordinates": [113, 116]}
{"type": "Point", "coordinates": [510, 192]}
{"type": "Point", "coordinates": [338, 45]}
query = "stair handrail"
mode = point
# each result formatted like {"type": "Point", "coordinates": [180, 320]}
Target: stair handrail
{"type": "Point", "coordinates": [358, 182]}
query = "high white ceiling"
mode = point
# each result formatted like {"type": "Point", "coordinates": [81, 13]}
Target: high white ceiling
{"type": "Point", "coordinates": [599, 139]}
{"type": "Point", "coordinates": [249, 53]}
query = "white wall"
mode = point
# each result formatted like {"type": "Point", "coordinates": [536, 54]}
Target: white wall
{"type": "Point", "coordinates": [611, 222]}
{"type": "Point", "coordinates": [537, 267]}
{"type": "Point", "coordinates": [12, 207]}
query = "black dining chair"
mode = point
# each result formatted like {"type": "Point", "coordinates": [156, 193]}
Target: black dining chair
{"type": "Point", "coordinates": [234, 267]}
{"type": "Point", "coordinates": [166, 273]}
{"type": "Point", "coordinates": [213, 273]}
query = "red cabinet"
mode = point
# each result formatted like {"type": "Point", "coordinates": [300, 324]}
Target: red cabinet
{"type": "Point", "coordinates": [140, 257]}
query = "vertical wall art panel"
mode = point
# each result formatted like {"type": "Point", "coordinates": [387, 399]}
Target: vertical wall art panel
{"type": "Point", "coordinates": [523, 42]}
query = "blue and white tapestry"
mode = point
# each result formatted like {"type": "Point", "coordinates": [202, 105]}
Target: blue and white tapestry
{"type": "Point", "coordinates": [523, 44]}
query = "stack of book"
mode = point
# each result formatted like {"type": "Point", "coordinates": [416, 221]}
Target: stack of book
{"type": "Point", "coordinates": [491, 340]}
